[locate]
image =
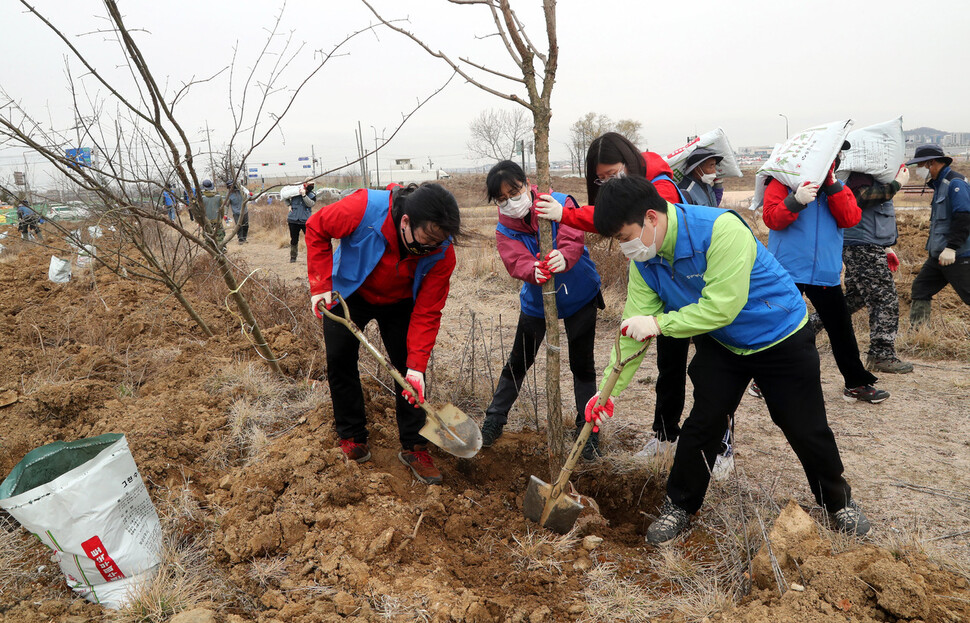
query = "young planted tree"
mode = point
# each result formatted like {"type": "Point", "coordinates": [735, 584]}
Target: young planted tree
{"type": "Point", "coordinates": [531, 86]}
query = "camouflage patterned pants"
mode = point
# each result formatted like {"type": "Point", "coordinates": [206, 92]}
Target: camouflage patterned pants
{"type": "Point", "coordinates": [868, 283]}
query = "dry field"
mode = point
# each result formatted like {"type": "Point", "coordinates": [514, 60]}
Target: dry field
{"type": "Point", "coordinates": [265, 521]}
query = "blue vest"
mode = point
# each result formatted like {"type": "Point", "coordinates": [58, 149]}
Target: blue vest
{"type": "Point", "coordinates": [810, 249]}
{"type": "Point", "coordinates": [941, 214]}
{"type": "Point", "coordinates": [664, 176]}
{"type": "Point", "coordinates": [774, 308]}
{"type": "Point", "coordinates": [877, 226]}
{"type": "Point", "coordinates": [574, 288]}
{"type": "Point", "coordinates": [698, 193]}
{"type": "Point", "coordinates": [358, 253]}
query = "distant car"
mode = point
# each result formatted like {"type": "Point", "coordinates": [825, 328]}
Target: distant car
{"type": "Point", "coordinates": [69, 212]}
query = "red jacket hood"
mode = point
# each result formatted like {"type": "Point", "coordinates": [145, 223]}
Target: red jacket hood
{"type": "Point", "coordinates": [656, 165]}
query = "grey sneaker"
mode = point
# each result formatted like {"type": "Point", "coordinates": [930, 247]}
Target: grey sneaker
{"type": "Point", "coordinates": [891, 365]}
{"type": "Point", "coordinates": [671, 523]}
{"type": "Point", "coordinates": [491, 431]}
{"type": "Point", "coordinates": [864, 393]}
{"type": "Point", "coordinates": [851, 519]}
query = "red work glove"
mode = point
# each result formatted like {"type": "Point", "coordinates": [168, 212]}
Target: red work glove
{"type": "Point", "coordinates": [416, 380]}
{"type": "Point", "coordinates": [830, 178]}
{"type": "Point", "coordinates": [595, 414]}
{"type": "Point", "coordinates": [893, 261]}
{"type": "Point", "coordinates": [543, 273]}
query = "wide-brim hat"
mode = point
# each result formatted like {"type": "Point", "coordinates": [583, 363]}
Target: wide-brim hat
{"type": "Point", "coordinates": [207, 184]}
{"type": "Point", "coordinates": [929, 152]}
{"type": "Point", "coordinates": [698, 156]}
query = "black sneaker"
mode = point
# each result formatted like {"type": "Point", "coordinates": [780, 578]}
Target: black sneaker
{"type": "Point", "coordinates": [491, 431]}
{"type": "Point", "coordinates": [754, 390]}
{"type": "Point", "coordinates": [671, 523]}
{"type": "Point", "coordinates": [591, 451]}
{"type": "Point", "coordinates": [865, 393]}
{"type": "Point", "coordinates": [851, 519]}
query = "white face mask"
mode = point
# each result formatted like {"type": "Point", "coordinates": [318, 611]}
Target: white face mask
{"type": "Point", "coordinates": [922, 173]}
{"type": "Point", "coordinates": [636, 251]}
{"type": "Point", "coordinates": [708, 178]}
{"type": "Point", "coordinates": [518, 206]}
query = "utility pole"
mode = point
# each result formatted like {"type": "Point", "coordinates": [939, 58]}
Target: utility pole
{"type": "Point", "coordinates": [313, 160]}
{"type": "Point", "coordinates": [377, 164]}
{"type": "Point", "coordinates": [208, 136]}
{"type": "Point", "coordinates": [363, 152]}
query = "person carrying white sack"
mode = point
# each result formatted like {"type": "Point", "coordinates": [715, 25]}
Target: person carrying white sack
{"type": "Point", "coordinates": [301, 199]}
{"type": "Point", "coordinates": [700, 184]}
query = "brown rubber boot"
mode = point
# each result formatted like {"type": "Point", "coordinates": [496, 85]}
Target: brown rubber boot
{"type": "Point", "coordinates": [293, 249]}
{"type": "Point", "coordinates": [355, 451]}
{"type": "Point", "coordinates": [919, 313]}
{"type": "Point", "coordinates": [421, 465]}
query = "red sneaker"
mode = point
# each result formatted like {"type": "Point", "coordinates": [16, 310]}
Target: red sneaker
{"type": "Point", "coordinates": [355, 451]}
{"type": "Point", "coordinates": [421, 465]}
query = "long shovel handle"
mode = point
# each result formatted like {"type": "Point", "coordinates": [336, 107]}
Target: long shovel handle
{"type": "Point", "coordinates": [567, 468]}
{"type": "Point", "coordinates": [353, 328]}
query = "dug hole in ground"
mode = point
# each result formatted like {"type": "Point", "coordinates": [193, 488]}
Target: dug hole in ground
{"type": "Point", "coordinates": [263, 519]}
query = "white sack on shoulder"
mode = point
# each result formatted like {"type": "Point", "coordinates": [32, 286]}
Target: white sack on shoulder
{"type": "Point", "coordinates": [715, 140]}
{"type": "Point", "coordinates": [877, 150]}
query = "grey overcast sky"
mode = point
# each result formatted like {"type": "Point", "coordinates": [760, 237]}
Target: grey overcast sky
{"type": "Point", "coordinates": [679, 67]}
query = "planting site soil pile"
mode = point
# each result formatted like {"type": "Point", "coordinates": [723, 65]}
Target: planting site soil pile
{"type": "Point", "coordinates": [265, 520]}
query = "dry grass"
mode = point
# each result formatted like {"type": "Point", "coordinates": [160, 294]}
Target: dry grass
{"type": "Point", "coordinates": [389, 608]}
{"type": "Point", "coordinates": [264, 408]}
{"type": "Point", "coordinates": [25, 564]}
{"type": "Point", "coordinates": [541, 550]}
{"type": "Point", "coordinates": [268, 572]}
{"type": "Point", "coordinates": [610, 597]}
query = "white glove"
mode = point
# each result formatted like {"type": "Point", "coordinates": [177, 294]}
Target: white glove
{"type": "Point", "coordinates": [902, 176]}
{"type": "Point", "coordinates": [416, 380]}
{"type": "Point", "coordinates": [326, 297]}
{"type": "Point", "coordinates": [548, 208]}
{"type": "Point", "coordinates": [806, 193]}
{"type": "Point", "coordinates": [948, 256]}
{"type": "Point", "coordinates": [556, 261]}
{"type": "Point", "coordinates": [303, 191]}
{"type": "Point", "coordinates": [640, 328]}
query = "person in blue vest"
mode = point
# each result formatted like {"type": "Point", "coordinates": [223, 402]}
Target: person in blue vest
{"type": "Point", "coordinates": [700, 272]}
{"type": "Point", "coordinates": [700, 184]}
{"type": "Point", "coordinates": [948, 243]}
{"type": "Point", "coordinates": [393, 265]}
{"type": "Point", "coordinates": [28, 221]}
{"type": "Point", "coordinates": [577, 295]}
{"type": "Point", "coordinates": [806, 238]}
{"type": "Point", "coordinates": [169, 202]}
{"type": "Point", "coordinates": [301, 199]}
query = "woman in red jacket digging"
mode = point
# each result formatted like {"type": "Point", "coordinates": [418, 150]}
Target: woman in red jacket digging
{"type": "Point", "coordinates": [393, 265]}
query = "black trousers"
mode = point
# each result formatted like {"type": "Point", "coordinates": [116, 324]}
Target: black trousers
{"type": "Point", "coordinates": [244, 228]}
{"type": "Point", "coordinates": [833, 311]}
{"type": "Point", "coordinates": [789, 378]}
{"type": "Point", "coordinates": [343, 375]}
{"type": "Point", "coordinates": [671, 386]}
{"type": "Point", "coordinates": [580, 335]}
{"type": "Point", "coordinates": [295, 229]}
{"type": "Point", "coordinates": [932, 278]}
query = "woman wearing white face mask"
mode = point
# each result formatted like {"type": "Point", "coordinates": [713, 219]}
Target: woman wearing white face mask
{"type": "Point", "coordinates": [577, 295]}
{"type": "Point", "coordinates": [699, 175]}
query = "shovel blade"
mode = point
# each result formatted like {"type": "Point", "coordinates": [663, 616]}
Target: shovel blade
{"type": "Point", "coordinates": [558, 515]}
{"type": "Point", "coordinates": [453, 431]}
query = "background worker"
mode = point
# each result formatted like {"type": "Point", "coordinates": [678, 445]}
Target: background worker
{"type": "Point", "coordinates": [948, 243]}
{"type": "Point", "coordinates": [239, 204]}
{"type": "Point", "coordinates": [577, 296]}
{"type": "Point", "coordinates": [28, 220]}
{"type": "Point", "coordinates": [393, 265]}
{"type": "Point", "coordinates": [699, 184]}
{"type": "Point", "coordinates": [613, 156]}
{"type": "Point", "coordinates": [869, 267]}
{"type": "Point", "coordinates": [806, 238]}
{"type": "Point", "coordinates": [301, 199]}
{"type": "Point", "coordinates": [715, 292]}
{"type": "Point", "coordinates": [212, 204]}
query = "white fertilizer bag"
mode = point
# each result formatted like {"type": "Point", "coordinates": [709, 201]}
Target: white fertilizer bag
{"type": "Point", "coordinates": [877, 150]}
{"type": "Point", "coordinates": [715, 140]}
{"type": "Point", "coordinates": [86, 501]}
{"type": "Point", "coordinates": [60, 270]}
{"type": "Point", "coordinates": [805, 157]}
{"type": "Point", "coordinates": [85, 256]}
{"type": "Point", "coordinates": [95, 232]}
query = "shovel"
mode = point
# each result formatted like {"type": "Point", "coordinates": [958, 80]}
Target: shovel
{"type": "Point", "coordinates": [446, 427]}
{"type": "Point", "coordinates": [550, 505]}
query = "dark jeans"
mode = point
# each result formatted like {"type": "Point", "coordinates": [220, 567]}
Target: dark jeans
{"type": "Point", "coordinates": [932, 278]}
{"type": "Point", "coordinates": [671, 386]}
{"type": "Point", "coordinates": [789, 378]}
{"type": "Point", "coordinates": [833, 311]}
{"type": "Point", "coordinates": [343, 375]}
{"type": "Point", "coordinates": [244, 228]}
{"type": "Point", "coordinates": [295, 229]}
{"type": "Point", "coordinates": [580, 335]}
